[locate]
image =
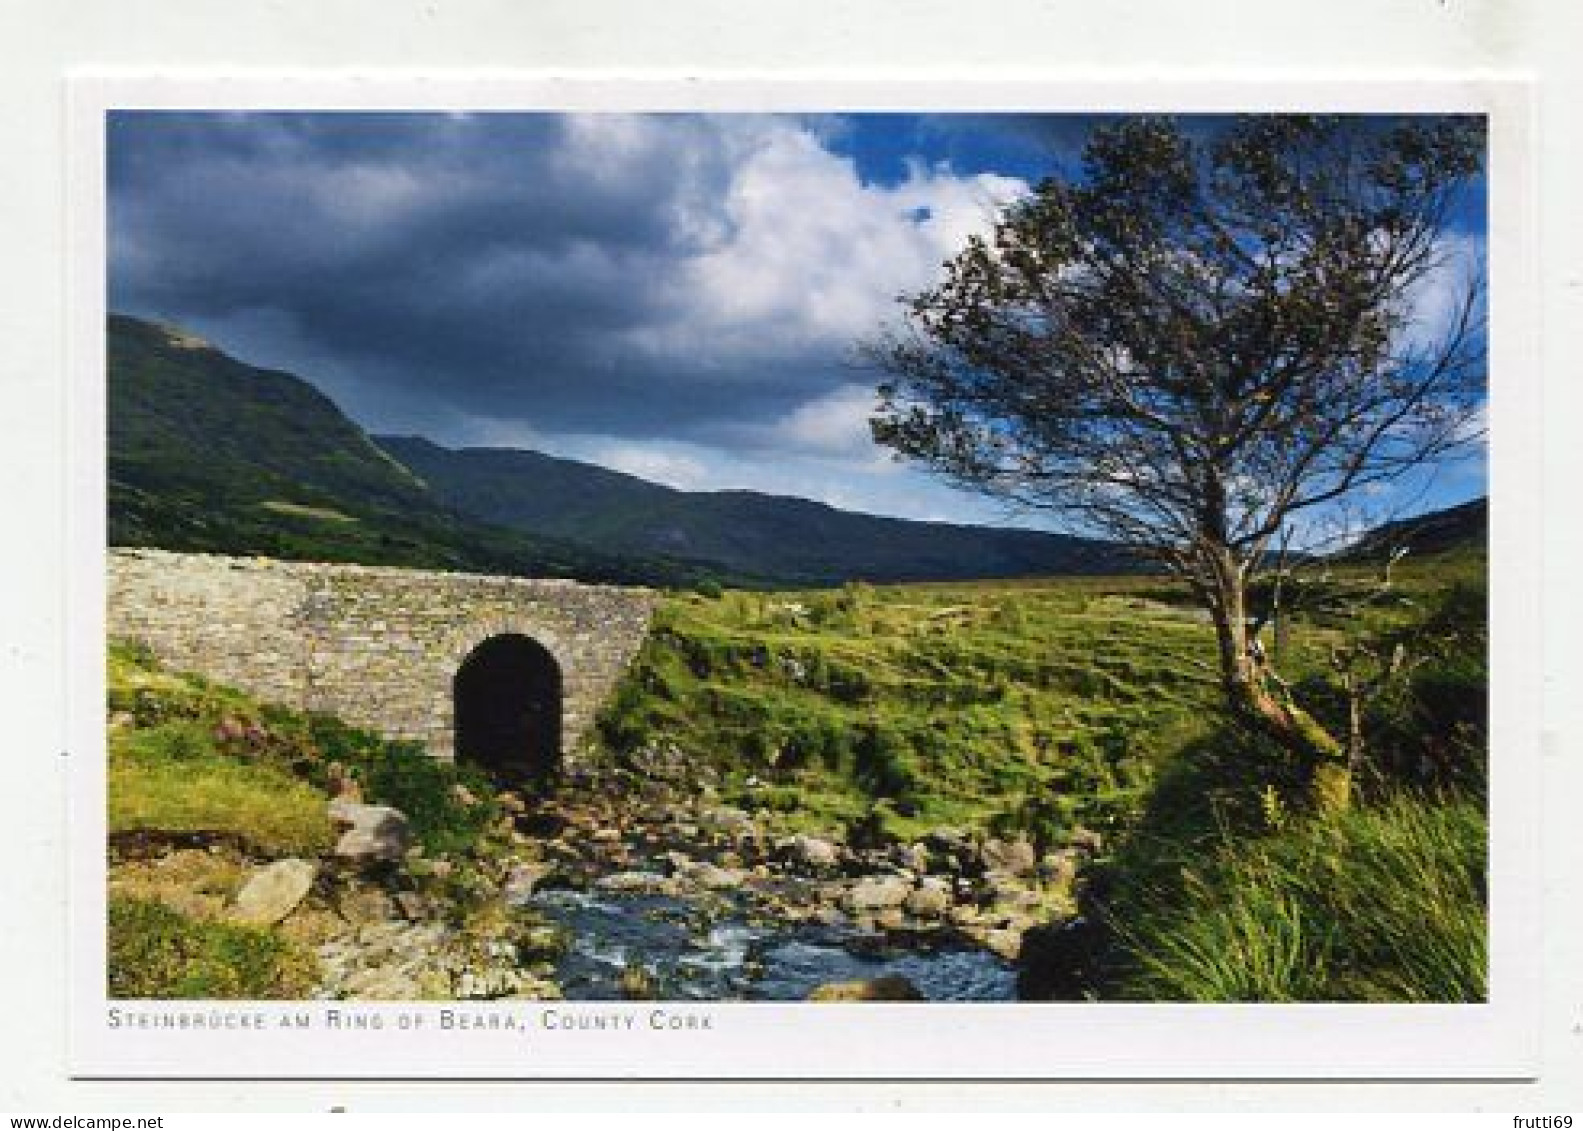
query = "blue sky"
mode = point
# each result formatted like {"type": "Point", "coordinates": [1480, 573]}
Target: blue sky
{"type": "Point", "coordinates": [677, 296]}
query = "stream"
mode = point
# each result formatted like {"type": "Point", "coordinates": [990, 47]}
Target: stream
{"type": "Point", "coordinates": [727, 955]}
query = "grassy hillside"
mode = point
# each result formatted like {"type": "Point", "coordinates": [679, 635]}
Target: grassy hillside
{"type": "Point", "coordinates": [209, 454]}
{"type": "Point", "coordinates": [1040, 706]}
{"type": "Point", "coordinates": [1059, 709]}
{"type": "Point", "coordinates": [744, 533]}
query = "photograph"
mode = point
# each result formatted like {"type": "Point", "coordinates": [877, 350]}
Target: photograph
{"type": "Point", "coordinates": [832, 557]}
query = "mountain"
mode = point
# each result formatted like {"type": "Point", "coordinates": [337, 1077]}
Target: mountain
{"type": "Point", "coordinates": [742, 532]}
{"type": "Point", "coordinates": [1465, 526]}
{"type": "Point", "coordinates": [209, 454]}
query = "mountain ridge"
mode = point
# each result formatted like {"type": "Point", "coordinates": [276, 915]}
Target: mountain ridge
{"type": "Point", "coordinates": [754, 531]}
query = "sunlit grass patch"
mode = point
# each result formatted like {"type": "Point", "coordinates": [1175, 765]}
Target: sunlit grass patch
{"type": "Point", "coordinates": [170, 780]}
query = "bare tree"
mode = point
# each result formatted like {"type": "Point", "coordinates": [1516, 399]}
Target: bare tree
{"type": "Point", "coordinates": [1200, 342]}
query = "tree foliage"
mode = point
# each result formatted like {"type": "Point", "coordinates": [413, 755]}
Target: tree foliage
{"type": "Point", "coordinates": [1200, 340]}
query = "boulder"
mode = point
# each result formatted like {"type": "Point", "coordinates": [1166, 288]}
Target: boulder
{"type": "Point", "coordinates": [1059, 869]}
{"type": "Point", "coordinates": [1005, 942]}
{"type": "Point", "coordinates": [710, 876]}
{"type": "Point", "coordinates": [812, 852]}
{"type": "Point", "coordinates": [373, 833]}
{"type": "Point", "coordinates": [1014, 857]}
{"type": "Point", "coordinates": [635, 882]}
{"type": "Point", "coordinates": [728, 821]}
{"type": "Point", "coordinates": [512, 803]}
{"type": "Point", "coordinates": [930, 899]}
{"type": "Point", "coordinates": [913, 857]}
{"type": "Point", "coordinates": [944, 839]}
{"type": "Point", "coordinates": [274, 891]}
{"type": "Point", "coordinates": [524, 878]}
{"type": "Point", "coordinates": [1057, 961]}
{"type": "Point", "coordinates": [890, 987]}
{"type": "Point", "coordinates": [876, 893]}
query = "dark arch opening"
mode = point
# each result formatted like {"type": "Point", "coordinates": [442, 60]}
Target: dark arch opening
{"type": "Point", "coordinates": [507, 695]}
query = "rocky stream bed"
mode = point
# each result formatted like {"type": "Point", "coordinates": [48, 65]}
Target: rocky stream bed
{"type": "Point", "coordinates": [610, 890]}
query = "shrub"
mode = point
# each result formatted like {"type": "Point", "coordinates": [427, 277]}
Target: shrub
{"type": "Point", "coordinates": [402, 775]}
{"type": "Point", "coordinates": [156, 952]}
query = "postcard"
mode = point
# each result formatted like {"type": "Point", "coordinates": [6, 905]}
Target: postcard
{"type": "Point", "coordinates": [650, 579]}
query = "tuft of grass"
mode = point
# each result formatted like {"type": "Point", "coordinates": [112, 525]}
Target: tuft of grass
{"type": "Point", "coordinates": [171, 779]}
{"type": "Point", "coordinates": [157, 952]}
{"type": "Point", "coordinates": [1386, 903]}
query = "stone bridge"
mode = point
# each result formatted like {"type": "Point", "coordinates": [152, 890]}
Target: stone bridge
{"type": "Point", "coordinates": [507, 672]}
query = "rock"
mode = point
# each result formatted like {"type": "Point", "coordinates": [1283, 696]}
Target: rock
{"type": "Point", "coordinates": [949, 840]}
{"type": "Point", "coordinates": [364, 905]}
{"type": "Point", "coordinates": [638, 982]}
{"type": "Point", "coordinates": [523, 879]}
{"type": "Point", "coordinates": [374, 833]}
{"type": "Point", "coordinates": [710, 876]}
{"type": "Point", "coordinates": [1086, 840]}
{"type": "Point", "coordinates": [930, 899]}
{"type": "Point", "coordinates": [1014, 857]}
{"type": "Point", "coordinates": [891, 919]}
{"type": "Point", "coordinates": [511, 803]}
{"type": "Point", "coordinates": [1004, 941]}
{"type": "Point", "coordinates": [731, 822]}
{"type": "Point", "coordinates": [637, 882]}
{"type": "Point", "coordinates": [830, 917]}
{"type": "Point", "coordinates": [875, 893]}
{"type": "Point", "coordinates": [274, 891]}
{"type": "Point", "coordinates": [1057, 960]}
{"type": "Point", "coordinates": [913, 857]}
{"type": "Point", "coordinates": [381, 983]}
{"type": "Point", "coordinates": [810, 852]}
{"type": "Point", "coordinates": [1059, 868]}
{"type": "Point", "coordinates": [412, 905]}
{"type": "Point", "coordinates": [542, 942]}
{"type": "Point", "coordinates": [891, 987]}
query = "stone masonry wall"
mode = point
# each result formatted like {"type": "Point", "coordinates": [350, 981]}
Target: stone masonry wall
{"type": "Point", "coordinates": [374, 645]}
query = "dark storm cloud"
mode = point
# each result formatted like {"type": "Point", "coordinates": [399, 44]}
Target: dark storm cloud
{"type": "Point", "coordinates": [487, 263]}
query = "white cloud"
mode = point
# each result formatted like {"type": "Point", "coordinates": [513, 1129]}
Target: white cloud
{"type": "Point", "coordinates": [804, 256]}
{"type": "Point", "coordinates": [835, 424]}
{"type": "Point", "coordinates": [1437, 302]}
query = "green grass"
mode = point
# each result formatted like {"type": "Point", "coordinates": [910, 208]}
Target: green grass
{"type": "Point", "coordinates": [1021, 707]}
{"type": "Point", "coordinates": [195, 757]}
{"type": "Point", "coordinates": [171, 780]}
{"type": "Point", "coordinates": [156, 952]}
{"type": "Point", "coordinates": [1386, 903]}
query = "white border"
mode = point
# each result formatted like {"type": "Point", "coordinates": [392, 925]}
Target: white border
{"type": "Point", "coordinates": [1497, 1040]}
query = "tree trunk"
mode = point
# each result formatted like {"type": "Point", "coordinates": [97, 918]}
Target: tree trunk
{"type": "Point", "coordinates": [1249, 693]}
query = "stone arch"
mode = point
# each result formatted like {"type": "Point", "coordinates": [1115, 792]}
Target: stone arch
{"type": "Point", "coordinates": [507, 697]}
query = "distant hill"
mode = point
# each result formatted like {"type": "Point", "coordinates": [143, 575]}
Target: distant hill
{"type": "Point", "coordinates": [742, 532]}
{"type": "Point", "coordinates": [1462, 527]}
{"type": "Point", "coordinates": [209, 454]}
